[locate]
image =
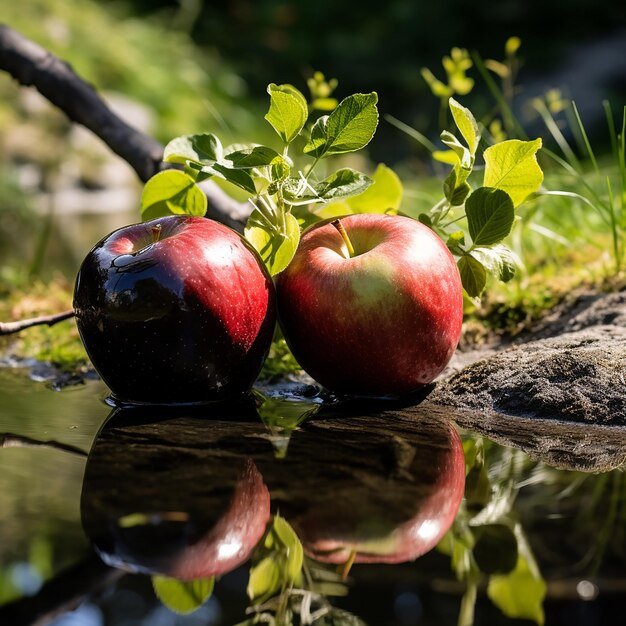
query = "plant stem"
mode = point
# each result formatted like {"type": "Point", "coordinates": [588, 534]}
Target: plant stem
{"type": "Point", "coordinates": [510, 121]}
{"type": "Point", "coordinates": [583, 132]}
{"type": "Point", "coordinates": [156, 232]}
{"type": "Point", "coordinates": [344, 235]}
{"type": "Point", "coordinates": [457, 219]}
{"type": "Point", "coordinates": [267, 216]}
{"type": "Point", "coordinates": [344, 569]}
{"type": "Point", "coordinates": [280, 205]}
{"type": "Point", "coordinates": [317, 160]}
{"type": "Point", "coordinates": [614, 230]}
{"type": "Point", "coordinates": [555, 131]}
{"type": "Point", "coordinates": [411, 132]}
{"type": "Point", "coordinates": [439, 211]}
{"type": "Point", "coordinates": [468, 602]}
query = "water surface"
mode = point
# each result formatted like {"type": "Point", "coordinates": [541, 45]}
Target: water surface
{"type": "Point", "coordinates": [95, 500]}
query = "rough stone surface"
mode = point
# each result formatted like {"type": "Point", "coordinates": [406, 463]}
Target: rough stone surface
{"type": "Point", "coordinates": [559, 393]}
{"type": "Point", "coordinates": [578, 377]}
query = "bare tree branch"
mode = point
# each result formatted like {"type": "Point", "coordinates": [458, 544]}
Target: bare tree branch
{"type": "Point", "coordinates": [32, 65]}
{"type": "Point", "coordinates": [8, 328]}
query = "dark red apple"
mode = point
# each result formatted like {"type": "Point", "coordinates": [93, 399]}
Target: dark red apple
{"type": "Point", "coordinates": [177, 309]}
{"type": "Point", "coordinates": [383, 320]}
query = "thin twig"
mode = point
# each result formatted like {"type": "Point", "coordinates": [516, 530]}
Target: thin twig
{"type": "Point", "coordinates": [8, 328]}
{"type": "Point", "coordinates": [9, 440]}
{"type": "Point", "coordinates": [32, 65]}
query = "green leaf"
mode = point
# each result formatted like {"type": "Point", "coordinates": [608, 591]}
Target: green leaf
{"type": "Point", "coordinates": [456, 242]}
{"type": "Point", "coordinates": [324, 104]}
{"type": "Point", "coordinates": [425, 219]}
{"type": "Point", "coordinates": [473, 275]}
{"type": "Point", "coordinates": [449, 157]}
{"type": "Point", "coordinates": [288, 111]}
{"type": "Point", "coordinates": [275, 249]}
{"type": "Point", "coordinates": [495, 550]}
{"type": "Point", "coordinates": [249, 158]}
{"type": "Point", "coordinates": [183, 596]}
{"type": "Point", "coordinates": [519, 594]}
{"type": "Point", "coordinates": [438, 88]}
{"type": "Point", "coordinates": [282, 416]}
{"type": "Point", "coordinates": [343, 183]}
{"type": "Point", "coordinates": [264, 580]}
{"type": "Point", "coordinates": [466, 123]}
{"type": "Point", "coordinates": [512, 166]}
{"type": "Point", "coordinates": [203, 148]}
{"type": "Point", "coordinates": [490, 215]}
{"type": "Point", "coordinates": [239, 177]}
{"type": "Point", "coordinates": [460, 194]}
{"type": "Point", "coordinates": [348, 128]}
{"type": "Point", "coordinates": [277, 562]}
{"type": "Point", "coordinates": [384, 195]}
{"type": "Point", "coordinates": [172, 192]}
{"type": "Point", "coordinates": [499, 260]}
{"type": "Point", "coordinates": [292, 545]}
{"type": "Point", "coordinates": [455, 192]}
{"type": "Point", "coordinates": [464, 156]}
{"type": "Point", "coordinates": [478, 491]}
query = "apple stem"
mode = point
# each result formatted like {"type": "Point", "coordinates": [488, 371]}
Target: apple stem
{"type": "Point", "coordinates": [156, 233]}
{"type": "Point", "coordinates": [344, 569]}
{"type": "Point", "coordinates": [344, 235]}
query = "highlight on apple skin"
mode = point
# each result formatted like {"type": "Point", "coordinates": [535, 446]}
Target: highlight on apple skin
{"type": "Point", "coordinates": [175, 310]}
{"type": "Point", "coordinates": [382, 320]}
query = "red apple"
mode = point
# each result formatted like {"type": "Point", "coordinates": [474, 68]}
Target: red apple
{"type": "Point", "coordinates": [177, 309]}
{"type": "Point", "coordinates": [384, 320]}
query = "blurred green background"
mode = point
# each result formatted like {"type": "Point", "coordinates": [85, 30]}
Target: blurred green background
{"type": "Point", "coordinates": [172, 67]}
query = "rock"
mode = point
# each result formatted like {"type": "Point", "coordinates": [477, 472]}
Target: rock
{"type": "Point", "coordinates": [588, 310]}
{"type": "Point", "coordinates": [562, 397]}
{"type": "Point", "coordinates": [577, 377]}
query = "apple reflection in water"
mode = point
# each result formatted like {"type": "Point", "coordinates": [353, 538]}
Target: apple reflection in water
{"type": "Point", "coordinates": [187, 495]}
{"type": "Point", "coordinates": [392, 487]}
{"type": "Point", "coordinates": [159, 499]}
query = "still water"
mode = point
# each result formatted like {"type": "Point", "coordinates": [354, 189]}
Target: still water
{"type": "Point", "coordinates": [405, 517]}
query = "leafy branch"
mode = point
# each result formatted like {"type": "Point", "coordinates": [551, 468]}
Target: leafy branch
{"type": "Point", "coordinates": [511, 175]}
{"type": "Point", "coordinates": [270, 177]}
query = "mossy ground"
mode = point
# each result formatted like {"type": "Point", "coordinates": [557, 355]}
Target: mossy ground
{"type": "Point", "coordinates": [59, 344]}
{"type": "Point", "coordinates": [505, 310]}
